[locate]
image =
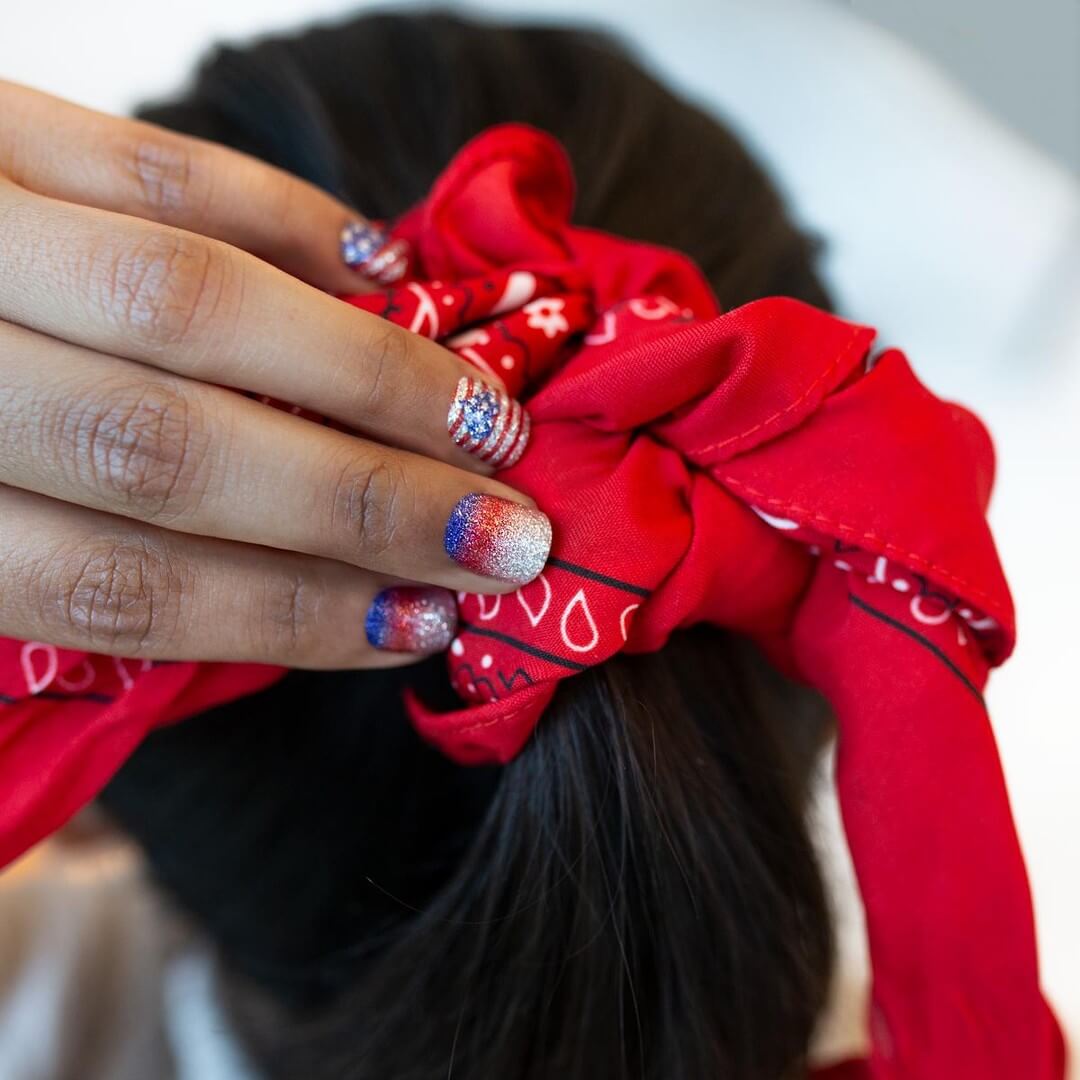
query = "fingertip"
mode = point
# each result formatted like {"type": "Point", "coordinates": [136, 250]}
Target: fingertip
{"type": "Point", "coordinates": [377, 660]}
{"type": "Point", "coordinates": [331, 269]}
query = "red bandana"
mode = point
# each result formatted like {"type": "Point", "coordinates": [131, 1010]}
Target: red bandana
{"type": "Point", "coordinates": [761, 470]}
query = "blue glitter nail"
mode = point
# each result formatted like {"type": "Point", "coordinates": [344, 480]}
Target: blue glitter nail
{"type": "Point", "coordinates": [360, 242]}
{"type": "Point", "coordinates": [479, 413]}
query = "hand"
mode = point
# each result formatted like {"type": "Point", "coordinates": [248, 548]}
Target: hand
{"type": "Point", "coordinates": [149, 513]}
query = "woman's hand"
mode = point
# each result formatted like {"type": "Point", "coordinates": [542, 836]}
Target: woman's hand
{"type": "Point", "coordinates": [147, 512]}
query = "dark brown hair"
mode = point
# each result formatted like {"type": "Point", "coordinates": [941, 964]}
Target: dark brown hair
{"type": "Point", "coordinates": [635, 896]}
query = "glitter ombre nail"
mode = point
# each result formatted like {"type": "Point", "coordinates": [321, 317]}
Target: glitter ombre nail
{"type": "Point", "coordinates": [498, 538]}
{"type": "Point", "coordinates": [486, 422]}
{"type": "Point", "coordinates": [410, 618]}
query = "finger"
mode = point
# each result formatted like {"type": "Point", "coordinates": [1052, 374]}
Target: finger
{"type": "Point", "coordinates": [121, 437]}
{"type": "Point", "coordinates": [206, 310]}
{"type": "Point", "coordinates": [85, 580]}
{"type": "Point", "coordinates": [63, 150]}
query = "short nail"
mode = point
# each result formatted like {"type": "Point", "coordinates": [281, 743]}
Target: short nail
{"type": "Point", "coordinates": [359, 242]}
{"type": "Point", "coordinates": [408, 618]}
{"type": "Point", "coordinates": [388, 266]}
{"type": "Point", "coordinates": [367, 249]}
{"type": "Point", "coordinates": [498, 538]}
{"type": "Point", "coordinates": [486, 422]}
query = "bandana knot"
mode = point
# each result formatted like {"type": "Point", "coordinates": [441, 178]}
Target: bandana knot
{"type": "Point", "coordinates": [697, 466]}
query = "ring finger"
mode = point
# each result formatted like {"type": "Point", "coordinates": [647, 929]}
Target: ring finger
{"type": "Point", "coordinates": [86, 580]}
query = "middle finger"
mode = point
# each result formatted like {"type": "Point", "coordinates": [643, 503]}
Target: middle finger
{"type": "Point", "coordinates": [117, 436]}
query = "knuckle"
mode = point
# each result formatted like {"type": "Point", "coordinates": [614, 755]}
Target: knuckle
{"type": "Point", "coordinates": [162, 289]}
{"type": "Point", "coordinates": [388, 352]}
{"type": "Point", "coordinates": [279, 194]}
{"type": "Point", "coordinates": [164, 172]}
{"type": "Point", "coordinates": [26, 246]}
{"type": "Point", "coordinates": [141, 448]}
{"type": "Point", "coordinates": [366, 505]}
{"type": "Point", "coordinates": [286, 617]}
{"type": "Point", "coordinates": [119, 595]}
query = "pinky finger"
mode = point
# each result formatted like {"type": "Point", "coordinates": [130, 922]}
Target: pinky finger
{"type": "Point", "coordinates": [83, 579]}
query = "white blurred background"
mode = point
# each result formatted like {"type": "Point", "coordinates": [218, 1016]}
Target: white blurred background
{"type": "Point", "coordinates": [935, 146]}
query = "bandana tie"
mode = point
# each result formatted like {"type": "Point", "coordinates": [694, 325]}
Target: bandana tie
{"type": "Point", "coordinates": [763, 470]}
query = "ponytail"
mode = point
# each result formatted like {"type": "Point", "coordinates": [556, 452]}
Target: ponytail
{"type": "Point", "coordinates": [641, 901]}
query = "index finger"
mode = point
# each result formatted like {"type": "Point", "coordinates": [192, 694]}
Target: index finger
{"type": "Point", "coordinates": [62, 150]}
{"type": "Point", "coordinates": [197, 307]}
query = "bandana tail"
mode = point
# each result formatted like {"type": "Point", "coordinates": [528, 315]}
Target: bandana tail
{"type": "Point", "coordinates": [949, 918]}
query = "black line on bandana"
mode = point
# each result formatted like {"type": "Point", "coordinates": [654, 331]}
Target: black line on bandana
{"type": "Point", "coordinates": [470, 296]}
{"type": "Point", "coordinates": [540, 654]}
{"type": "Point", "coordinates": [592, 575]}
{"type": "Point", "coordinates": [862, 605]}
{"type": "Point", "coordinates": [53, 695]}
{"type": "Point", "coordinates": [519, 673]}
{"type": "Point", "coordinates": [507, 336]}
{"type": "Point", "coordinates": [391, 307]}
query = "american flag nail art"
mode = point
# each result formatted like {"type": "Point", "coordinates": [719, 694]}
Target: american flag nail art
{"type": "Point", "coordinates": [366, 249]}
{"type": "Point", "coordinates": [487, 422]}
{"type": "Point", "coordinates": [388, 265]}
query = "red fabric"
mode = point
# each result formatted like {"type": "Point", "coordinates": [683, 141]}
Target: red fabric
{"type": "Point", "coordinates": [68, 720]}
{"type": "Point", "coordinates": [761, 470]}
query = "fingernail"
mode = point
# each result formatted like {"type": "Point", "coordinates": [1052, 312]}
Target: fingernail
{"type": "Point", "coordinates": [408, 618]}
{"type": "Point", "coordinates": [498, 538]}
{"type": "Point", "coordinates": [359, 242]}
{"type": "Point", "coordinates": [368, 250]}
{"type": "Point", "coordinates": [486, 422]}
{"type": "Point", "coordinates": [388, 265]}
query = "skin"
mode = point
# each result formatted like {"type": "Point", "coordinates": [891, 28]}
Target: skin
{"type": "Point", "coordinates": [145, 511]}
